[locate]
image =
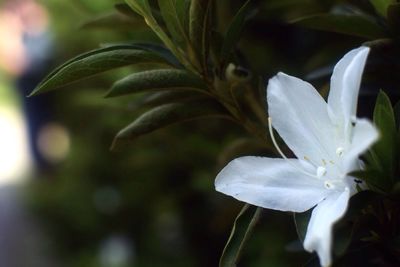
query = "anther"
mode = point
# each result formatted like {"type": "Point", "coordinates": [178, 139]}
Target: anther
{"type": "Point", "coordinates": [339, 151]}
{"type": "Point", "coordinates": [321, 171]}
{"type": "Point", "coordinates": [328, 185]}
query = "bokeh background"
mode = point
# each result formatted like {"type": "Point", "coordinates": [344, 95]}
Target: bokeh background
{"type": "Point", "coordinates": [66, 199]}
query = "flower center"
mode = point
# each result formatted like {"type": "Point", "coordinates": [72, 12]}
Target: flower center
{"type": "Point", "coordinates": [321, 170]}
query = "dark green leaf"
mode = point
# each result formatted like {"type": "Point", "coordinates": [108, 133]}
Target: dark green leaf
{"type": "Point", "coordinates": [386, 147]}
{"type": "Point", "coordinates": [95, 62]}
{"type": "Point", "coordinates": [375, 179]}
{"type": "Point", "coordinates": [241, 231]}
{"type": "Point", "coordinates": [114, 21]}
{"type": "Point", "coordinates": [168, 114]}
{"type": "Point", "coordinates": [174, 96]}
{"type": "Point", "coordinates": [152, 47]}
{"type": "Point", "coordinates": [301, 222]}
{"type": "Point", "coordinates": [199, 29]}
{"type": "Point", "coordinates": [125, 10]}
{"type": "Point", "coordinates": [381, 6]}
{"type": "Point", "coordinates": [234, 31]}
{"type": "Point", "coordinates": [156, 80]}
{"type": "Point", "coordinates": [141, 7]}
{"type": "Point", "coordinates": [173, 12]}
{"type": "Point", "coordinates": [356, 25]}
{"type": "Point", "coordinates": [393, 17]}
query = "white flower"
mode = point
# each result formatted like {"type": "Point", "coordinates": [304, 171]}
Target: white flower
{"type": "Point", "coordinates": [327, 140]}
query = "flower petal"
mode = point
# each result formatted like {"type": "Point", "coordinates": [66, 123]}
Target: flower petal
{"type": "Point", "coordinates": [270, 183]}
{"type": "Point", "coordinates": [363, 136]}
{"type": "Point", "coordinates": [319, 231]}
{"type": "Point", "coordinates": [345, 84]}
{"type": "Point", "coordinates": [299, 114]}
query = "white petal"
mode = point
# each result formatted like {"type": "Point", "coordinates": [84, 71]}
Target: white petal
{"type": "Point", "coordinates": [270, 183]}
{"type": "Point", "coordinates": [319, 232]}
{"type": "Point", "coordinates": [363, 136]}
{"type": "Point", "coordinates": [300, 116]}
{"type": "Point", "coordinates": [345, 84]}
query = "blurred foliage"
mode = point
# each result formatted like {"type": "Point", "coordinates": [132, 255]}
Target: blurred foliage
{"type": "Point", "coordinates": [205, 59]}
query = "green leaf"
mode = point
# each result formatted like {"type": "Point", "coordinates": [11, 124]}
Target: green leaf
{"type": "Point", "coordinates": [114, 21]}
{"type": "Point", "coordinates": [393, 17]}
{"type": "Point", "coordinates": [386, 147]}
{"type": "Point", "coordinates": [241, 231]}
{"type": "Point", "coordinates": [95, 62]}
{"type": "Point", "coordinates": [381, 6]}
{"type": "Point", "coordinates": [168, 114]}
{"type": "Point", "coordinates": [126, 10]}
{"type": "Point", "coordinates": [199, 29]}
{"type": "Point", "coordinates": [143, 8]}
{"type": "Point", "coordinates": [301, 222]}
{"type": "Point", "coordinates": [174, 96]}
{"type": "Point", "coordinates": [160, 79]}
{"type": "Point", "coordinates": [356, 25]}
{"type": "Point", "coordinates": [234, 31]}
{"type": "Point", "coordinates": [160, 50]}
{"type": "Point", "coordinates": [173, 12]}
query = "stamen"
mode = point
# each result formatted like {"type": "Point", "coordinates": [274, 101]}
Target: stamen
{"type": "Point", "coordinates": [328, 185]}
{"type": "Point", "coordinates": [332, 184]}
{"type": "Point", "coordinates": [324, 162]}
{"type": "Point", "coordinates": [271, 133]}
{"type": "Point", "coordinates": [339, 151]}
{"type": "Point", "coordinates": [321, 171]}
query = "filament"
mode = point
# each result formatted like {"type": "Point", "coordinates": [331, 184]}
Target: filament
{"type": "Point", "coordinates": [271, 133]}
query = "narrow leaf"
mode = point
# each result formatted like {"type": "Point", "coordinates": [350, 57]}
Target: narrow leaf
{"type": "Point", "coordinates": [234, 31]}
{"type": "Point", "coordinates": [393, 17]}
{"type": "Point", "coordinates": [114, 21]}
{"type": "Point", "coordinates": [301, 222]}
{"type": "Point", "coordinates": [173, 11]}
{"type": "Point", "coordinates": [356, 25]}
{"type": "Point", "coordinates": [156, 80]}
{"type": "Point", "coordinates": [386, 147]}
{"type": "Point", "coordinates": [174, 96]}
{"type": "Point", "coordinates": [241, 231]}
{"type": "Point", "coordinates": [125, 10]}
{"type": "Point", "coordinates": [381, 6]}
{"type": "Point", "coordinates": [199, 29]}
{"type": "Point", "coordinates": [168, 114]}
{"type": "Point", "coordinates": [95, 62]}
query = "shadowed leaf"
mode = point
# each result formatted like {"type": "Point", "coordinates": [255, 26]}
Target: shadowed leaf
{"type": "Point", "coordinates": [168, 114]}
{"type": "Point", "coordinates": [95, 62]}
{"type": "Point", "coordinates": [234, 31]}
{"type": "Point", "coordinates": [114, 21]}
{"type": "Point", "coordinates": [174, 13]}
{"type": "Point", "coordinates": [386, 147]}
{"type": "Point", "coordinates": [356, 25]}
{"type": "Point", "coordinates": [156, 80]}
{"type": "Point", "coordinates": [381, 6]}
{"type": "Point", "coordinates": [241, 231]}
